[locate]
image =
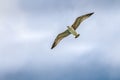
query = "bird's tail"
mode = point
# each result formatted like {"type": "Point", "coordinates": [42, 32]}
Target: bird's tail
{"type": "Point", "coordinates": [77, 36]}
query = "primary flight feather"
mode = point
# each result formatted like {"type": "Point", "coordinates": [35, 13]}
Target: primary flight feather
{"type": "Point", "coordinates": [71, 30]}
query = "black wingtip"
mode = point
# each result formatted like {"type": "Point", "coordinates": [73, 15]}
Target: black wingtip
{"type": "Point", "coordinates": [91, 13]}
{"type": "Point", "coordinates": [53, 46]}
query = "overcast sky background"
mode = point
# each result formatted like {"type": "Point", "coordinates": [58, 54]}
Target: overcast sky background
{"type": "Point", "coordinates": [29, 27]}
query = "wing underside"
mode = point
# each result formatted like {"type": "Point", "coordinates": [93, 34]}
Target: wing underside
{"type": "Point", "coordinates": [60, 37]}
{"type": "Point", "coordinates": [80, 19]}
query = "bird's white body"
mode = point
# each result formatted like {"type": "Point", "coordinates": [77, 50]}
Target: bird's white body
{"type": "Point", "coordinates": [72, 31]}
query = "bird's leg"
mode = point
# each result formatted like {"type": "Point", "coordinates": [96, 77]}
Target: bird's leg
{"type": "Point", "coordinates": [72, 31]}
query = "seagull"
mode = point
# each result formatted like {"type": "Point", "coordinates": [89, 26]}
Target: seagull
{"type": "Point", "coordinates": [71, 29]}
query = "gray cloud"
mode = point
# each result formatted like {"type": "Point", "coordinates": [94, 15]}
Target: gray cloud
{"type": "Point", "coordinates": [54, 6]}
{"type": "Point", "coordinates": [44, 6]}
{"type": "Point", "coordinates": [85, 67]}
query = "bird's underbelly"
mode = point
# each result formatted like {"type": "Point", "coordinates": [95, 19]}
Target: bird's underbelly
{"type": "Point", "coordinates": [72, 31]}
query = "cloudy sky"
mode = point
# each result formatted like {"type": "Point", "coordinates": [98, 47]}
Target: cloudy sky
{"type": "Point", "coordinates": [29, 27]}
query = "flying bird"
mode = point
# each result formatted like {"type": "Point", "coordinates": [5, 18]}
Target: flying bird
{"type": "Point", "coordinates": [71, 30]}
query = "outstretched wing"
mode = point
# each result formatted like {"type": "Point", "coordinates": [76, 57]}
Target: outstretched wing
{"type": "Point", "coordinates": [80, 19]}
{"type": "Point", "coordinates": [60, 37]}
